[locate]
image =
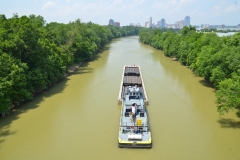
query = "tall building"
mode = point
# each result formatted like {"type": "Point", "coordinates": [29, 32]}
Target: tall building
{"type": "Point", "coordinates": [111, 22]}
{"type": "Point", "coordinates": [117, 24]}
{"type": "Point", "coordinates": [162, 23]}
{"type": "Point", "coordinates": [150, 22]}
{"type": "Point", "coordinates": [187, 21]}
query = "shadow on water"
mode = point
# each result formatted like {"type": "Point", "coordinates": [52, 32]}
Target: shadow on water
{"type": "Point", "coordinates": [5, 123]}
{"type": "Point", "coordinates": [206, 84]}
{"type": "Point", "coordinates": [229, 123]}
{"type": "Point", "coordinates": [168, 64]}
{"type": "Point", "coordinates": [4, 132]}
{"type": "Point", "coordinates": [83, 69]}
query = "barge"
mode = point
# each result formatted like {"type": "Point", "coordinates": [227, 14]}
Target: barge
{"type": "Point", "coordinates": [134, 129]}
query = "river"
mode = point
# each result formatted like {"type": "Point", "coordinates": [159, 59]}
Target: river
{"type": "Point", "coordinates": [78, 118]}
{"type": "Point", "coordinates": [226, 34]}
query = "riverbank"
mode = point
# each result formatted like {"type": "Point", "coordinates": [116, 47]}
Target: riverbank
{"type": "Point", "coordinates": [208, 55]}
{"type": "Point", "coordinates": [73, 68]}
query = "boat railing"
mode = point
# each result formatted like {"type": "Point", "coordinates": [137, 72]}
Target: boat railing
{"type": "Point", "coordinates": [133, 124]}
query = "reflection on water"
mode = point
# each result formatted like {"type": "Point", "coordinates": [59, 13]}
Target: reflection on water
{"type": "Point", "coordinates": [78, 118]}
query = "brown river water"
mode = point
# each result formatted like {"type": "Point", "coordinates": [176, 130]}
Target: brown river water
{"type": "Point", "coordinates": [78, 118]}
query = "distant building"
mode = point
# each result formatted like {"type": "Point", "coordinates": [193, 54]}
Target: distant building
{"type": "Point", "coordinates": [150, 22]}
{"type": "Point", "coordinates": [187, 21]}
{"type": "Point", "coordinates": [117, 24]}
{"type": "Point", "coordinates": [155, 25]}
{"type": "Point", "coordinates": [179, 24]}
{"type": "Point", "coordinates": [162, 23]}
{"type": "Point", "coordinates": [170, 26]}
{"type": "Point", "coordinates": [135, 25]}
{"type": "Point", "coordinates": [111, 22]}
{"type": "Point", "coordinates": [158, 24]}
{"type": "Point", "coordinates": [205, 26]}
{"type": "Point", "coordinates": [138, 25]}
{"type": "Point", "coordinates": [147, 24]}
{"type": "Point", "coordinates": [222, 26]}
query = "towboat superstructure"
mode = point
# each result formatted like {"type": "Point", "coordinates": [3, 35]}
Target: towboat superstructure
{"type": "Point", "coordinates": [134, 129]}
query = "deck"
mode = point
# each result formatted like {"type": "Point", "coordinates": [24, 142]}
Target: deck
{"type": "Point", "coordinates": [131, 76]}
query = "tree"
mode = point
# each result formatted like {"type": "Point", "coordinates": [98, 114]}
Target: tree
{"type": "Point", "coordinates": [186, 30]}
{"type": "Point", "coordinates": [13, 86]}
{"type": "Point", "coordinates": [171, 45]}
{"type": "Point", "coordinates": [228, 94]}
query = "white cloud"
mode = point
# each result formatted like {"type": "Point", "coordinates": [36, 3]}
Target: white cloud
{"type": "Point", "coordinates": [232, 8]}
{"type": "Point", "coordinates": [139, 1]}
{"type": "Point", "coordinates": [198, 13]}
{"type": "Point", "coordinates": [185, 1]}
{"type": "Point", "coordinates": [216, 10]}
{"type": "Point", "coordinates": [122, 8]}
{"type": "Point", "coordinates": [48, 5]}
{"type": "Point", "coordinates": [137, 13]}
{"type": "Point", "coordinates": [173, 2]}
{"type": "Point", "coordinates": [117, 2]}
{"type": "Point", "coordinates": [170, 4]}
{"type": "Point", "coordinates": [116, 8]}
{"type": "Point", "coordinates": [160, 5]}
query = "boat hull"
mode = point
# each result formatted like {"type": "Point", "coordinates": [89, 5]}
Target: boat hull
{"type": "Point", "coordinates": [133, 145]}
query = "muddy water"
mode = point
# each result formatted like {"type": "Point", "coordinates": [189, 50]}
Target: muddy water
{"type": "Point", "coordinates": [78, 118]}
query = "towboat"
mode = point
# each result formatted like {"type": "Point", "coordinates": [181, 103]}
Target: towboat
{"type": "Point", "coordinates": [134, 129]}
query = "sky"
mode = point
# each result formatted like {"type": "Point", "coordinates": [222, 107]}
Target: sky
{"type": "Point", "coordinates": [213, 12]}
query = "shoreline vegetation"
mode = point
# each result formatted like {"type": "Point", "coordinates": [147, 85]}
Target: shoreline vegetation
{"type": "Point", "coordinates": [215, 58]}
{"type": "Point", "coordinates": [35, 55]}
{"type": "Point", "coordinates": [73, 68]}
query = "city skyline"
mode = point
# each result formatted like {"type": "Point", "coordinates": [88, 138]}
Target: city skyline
{"type": "Point", "coordinates": [162, 23]}
{"type": "Point", "coordinates": [214, 12]}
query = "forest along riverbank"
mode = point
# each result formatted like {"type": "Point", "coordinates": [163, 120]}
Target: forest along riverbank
{"type": "Point", "coordinates": [79, 116]}
{"type": "Point", "coordinates": [35, 55]}
{"type": "Point", "coordinates": [215, 58]}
